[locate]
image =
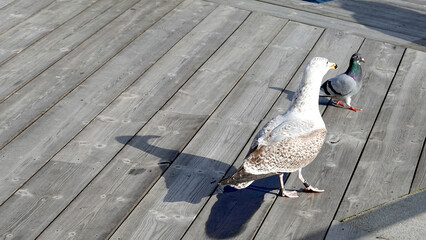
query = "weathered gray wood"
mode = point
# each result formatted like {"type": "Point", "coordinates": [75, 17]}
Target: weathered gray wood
{"type": "Point", "coordinates": [168, 209]}
{"type": "Point", "coordinates": [309, 216]}
{"type": "Point", "coordinates": [37, 97]}
{"type": "Point", "coordinates": [26, 33]}
{"type": "Point", "coordinates": [382, 15]}
{"type": "Point", "coordinates": [24, 67]}
{"type": "Point", "coordinates": [334, 45]}
{"type": "Point", "coordinates": [416, 5]}
{"type": "Point", "coordinates": [273, 69]}
{"type": "Point", "coordinates": [339, 231]}
{"type": "Point", "coordinates": [137, 166]}
{"type": "Point", "coordinates": [330, 22]}
{"type": "Point", "coordinates": [388, 162]}
{"type": "Point", "coordinates": [62, 179]}
{"type": "Point", "coordinates": [420, 177]}
{"type": "Point", "coordinates": [4, 3]}
{"type": "Point", "coordinates": [15, 11]}
{"type": "Point", "coordinates": [53, 130]}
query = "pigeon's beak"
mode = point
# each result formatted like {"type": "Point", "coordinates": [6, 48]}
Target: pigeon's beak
{"type": "Point", "coordinates": [332, 65]}
{"type": "Point", "coordinates": [362, 60]}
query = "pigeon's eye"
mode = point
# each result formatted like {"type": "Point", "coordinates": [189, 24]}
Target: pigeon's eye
{"type": "Point", "coordinates": [357, 57]}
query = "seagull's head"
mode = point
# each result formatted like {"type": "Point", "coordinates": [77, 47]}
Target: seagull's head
{"type": "Point", "coordinates": [320, 65]}
{"type": "Point", "coordinates": [357, 58]}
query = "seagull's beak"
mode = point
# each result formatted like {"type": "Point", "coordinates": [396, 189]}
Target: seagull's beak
{"type": "Point", "coordinates": [332, 65]}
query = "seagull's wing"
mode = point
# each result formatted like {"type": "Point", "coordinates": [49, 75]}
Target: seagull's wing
{"type": "Point", "coordinates": [263, 133]}
{"type": "Point", "coordinates": [292, 145]}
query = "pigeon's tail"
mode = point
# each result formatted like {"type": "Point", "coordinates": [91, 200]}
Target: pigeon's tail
{"type": "Point", "coordinates": [242, 178]}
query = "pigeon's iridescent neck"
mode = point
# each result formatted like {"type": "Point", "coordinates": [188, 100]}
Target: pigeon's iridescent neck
{"type": "Point", "coordinates": [354, 70]}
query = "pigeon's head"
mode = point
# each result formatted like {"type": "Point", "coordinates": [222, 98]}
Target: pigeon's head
{"type": "Point", "coordinates": [320, 65]}
{"type": "Point", "coordinates": [357, 58]}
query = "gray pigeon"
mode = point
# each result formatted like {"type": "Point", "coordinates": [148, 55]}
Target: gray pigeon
{"type": "Point", "coordinates": [342, 87]}
{"type": "Point", "coordinates": [289, 141]}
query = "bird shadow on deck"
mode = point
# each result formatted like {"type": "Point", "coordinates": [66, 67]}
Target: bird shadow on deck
{"type": "Point", "coordinates": [234, 207]}
{"type": "Point", "coordinates": [181, 171]}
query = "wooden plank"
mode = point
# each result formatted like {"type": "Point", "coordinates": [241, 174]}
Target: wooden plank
{"type": "Point", "coordinates": [330, 22]}
{"type": "Point", "coordinates": [23, 68]}
{"type": "Point", "coordinates": [339, 231]}
{"type": "Point", "coordinates": [63, 178]}
{"type": "Point", "coordinates": [277, 65]}
{"type": "Point", "coordinates": [14, 12]}
{"type": "Point", "coordinates": [168, 209]}
{"type": "Point", "coordinates": [260, 196]}
{"type": "Point", "coordinates": [309, 216]}
{"type": "Point", "coordinates": [388, 162]}
{"type": "Point", "coordinates": [417, 5]}
{"type": "Point", "coordinates": [382, 15]}
{"type": "Point", "coordinates": [37, 97]}
{"type": "Point", "coordinates": [419, 180]}
{"type": "Point", "coordinates": [4, 3]}
{"type": "Point", "coordinates": [54, 129]}
{"type": "Point", "coordinates": [26, 33]}
{"type": "Point", "coordinates": [136, 167]}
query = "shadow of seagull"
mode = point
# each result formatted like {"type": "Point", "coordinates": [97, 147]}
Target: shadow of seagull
{"type": "Point", "coordinates": [185, 168]}
{"type": "Point", "coordinates": [235, 207]}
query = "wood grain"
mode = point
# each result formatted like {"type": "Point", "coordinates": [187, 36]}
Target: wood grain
{"type": "Point", "coordinates": [69, 169]}
{"type": "Point", "coordinates": [419, 180]}
{"type": "Point", "coordinates": [340, 231]}
{"type": "Point", "coordinates": [4, 3]}
{"type": "Point", "coordinates": [388, 162]}
{"type": "Point", "coordinates": [15, 11]}
{"type": "Point", "coordinates": [140, 163]}
{"type": "Point", "coordinates": [29, 31]}
{"type": "Point", "coordinates": [50, 87]}
{"type": "Point", "coordinates": [383, 15]}
{"type": "Point", "coordinates": [97, 92]}
{"type": "Point", "coordinates": [330, 22]}
{"type": "Point", "coordinates": [28, 64]}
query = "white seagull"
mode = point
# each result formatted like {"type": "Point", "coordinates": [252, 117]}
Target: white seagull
{"type": "Point", "coordinates": [289, 141]}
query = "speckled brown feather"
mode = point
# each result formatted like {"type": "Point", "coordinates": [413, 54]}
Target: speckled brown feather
{"type": "Point", "coordinates": [287, 155]}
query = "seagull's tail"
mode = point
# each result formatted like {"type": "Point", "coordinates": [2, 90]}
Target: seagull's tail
{"type": "Point", "coordinates": [242, 178]}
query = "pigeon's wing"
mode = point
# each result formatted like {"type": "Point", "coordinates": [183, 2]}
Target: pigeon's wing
{"type": "Point", "coordinates": [341, 85]}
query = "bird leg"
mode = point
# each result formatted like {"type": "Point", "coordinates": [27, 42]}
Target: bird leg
{"type": "Point", "coordinates": [285, 193]}
{"type": "Point", "coordinates": [308, 187]}
{"type": "Point", "coordinates": [355, 109]}
{"type": "Point", "coordinates": [340, 103]}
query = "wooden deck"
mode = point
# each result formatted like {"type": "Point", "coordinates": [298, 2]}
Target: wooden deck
{"type": "Point", "coordinates": [118, 118]}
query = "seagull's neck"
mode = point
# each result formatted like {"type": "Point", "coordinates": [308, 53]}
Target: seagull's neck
{"type": "Point", "coordinates": [305, 100]}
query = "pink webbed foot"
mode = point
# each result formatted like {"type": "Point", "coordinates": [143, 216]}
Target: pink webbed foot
{"type": "Point", "coordinates": [313, 189]}
{"type": "Point", "coordinates": [289, 194]}
{"type": "Point", "coordinates": [355, 109]}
